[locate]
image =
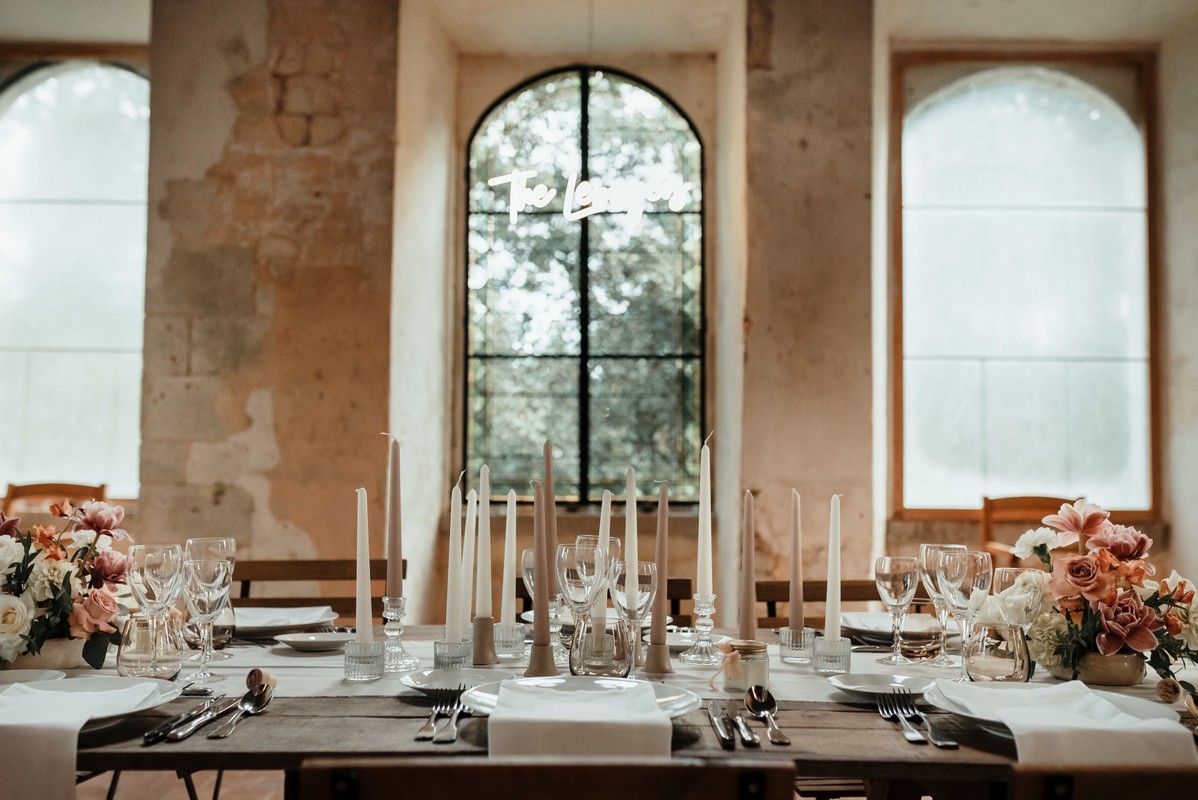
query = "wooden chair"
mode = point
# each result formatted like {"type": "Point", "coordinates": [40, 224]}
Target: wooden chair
{"type": "Point", "coordinates": [677, 590]}
{"type": "Point", "coordinates": [1013, 510]}
{"type": "Point", "coordinates": [249, 573]}
{"type": "Point", "coordinates": [37, 496]}
{"type": "Point", "coordinates": [774, 592]}
{"type": "Point", "coordinates": [1083, 783]}
{"type": "Point", "coordinates": [546, 778]}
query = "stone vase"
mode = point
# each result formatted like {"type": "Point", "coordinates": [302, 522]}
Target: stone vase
{"type": "Point", "coordinates": [55, 654]}
{"type": "Point", "coordinates": [1095, 669]}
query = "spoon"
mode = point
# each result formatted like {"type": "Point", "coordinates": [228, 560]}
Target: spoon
{"type": "Point", "coordinates": [761, 704]}
{"type": "Point", "coordinates": [252, 703]}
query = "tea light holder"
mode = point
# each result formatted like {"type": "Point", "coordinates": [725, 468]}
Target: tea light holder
{"type": "Point", "coordinates": [795, 646]}
{"type": "Point", "coordinates": [364, 661]}
{"type": "Point", "coordinates": [396, 658]}
{"type": "Point", "coordinates": [831, 656]}
{"type": "Point", "coordinates": [453, 655]}
{"type": "Point", "coordinates": [703, 652]}
{"type": "Point", "coordinates": [484, 642]}
{"type": "Point", "coordinates": [509, 642]}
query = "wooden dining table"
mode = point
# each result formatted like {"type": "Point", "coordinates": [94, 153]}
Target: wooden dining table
{"type": "Point", "coordinates": [317, 715]}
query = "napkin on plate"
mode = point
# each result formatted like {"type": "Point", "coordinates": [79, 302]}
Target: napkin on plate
{"type": "Point", "coordinates": [1070, 725]}
{"type": "Point", "coordinates": [540, 720]}
{"type": "Point", "coordinates": [39, 732]}
{"type": "Point", "coordinates": [264, 617]}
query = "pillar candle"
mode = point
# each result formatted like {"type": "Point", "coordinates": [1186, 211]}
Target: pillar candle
{"type": "Point", "coordinates": [363, 619]}
{"type": "Point", "coordinates": [482, 595]}
{"type": "Point", "coordinates": [747, 628]}
{"type": "Point", "coordinates": [703, 567]}
{"type": "Point", "coordinates": [453, 589]}
{"type": "Point", "coordinates": [467, 581]}
{"type": "Point", "coordinates": [631, 556]}
{"type": "Point", "coordinates": [507, 607]}
{"type": "Point", "coordinates": [832, 612]}
{"type": "Point", "coordinates": [657, 631]}
{"type": "Point", "coordinates": [796, 563]}
{"type": "Point", "coordinates": [394, 540]}
{"type": "Point", "coordinates": [540, 587]}
{"type": "Point", "coordinates": [550, 517]}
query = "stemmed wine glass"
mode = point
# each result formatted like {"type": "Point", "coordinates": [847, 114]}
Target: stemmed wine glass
{"type": "Point", "coordinates": [896, 578]}
{"type": "Point", "coordinates": [928, 553]}
{"type": "Point", "coordinates": [216, 548]}
{"type": "Point", "coordinates": [599, 599]}
{"type": "Point", "coordinates": [964, 580]}
{"type": "Point", "coordinates": [207, 591]}
{"type": "Point", "coordinates": [154, 573]}
{"type": "Point", "coordinates": [633, 587]}
{"type": "Point", "coordinates": [579, 571]}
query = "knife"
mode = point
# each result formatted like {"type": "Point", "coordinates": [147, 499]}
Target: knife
{"type": "Point", "coordinates": [727, 740]}
{"type": "Point", "coordinates": [206, 716]}
{"type": "Point", "coordinates": [158, 734]}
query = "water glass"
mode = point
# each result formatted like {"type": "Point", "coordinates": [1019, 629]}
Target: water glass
{"type": "Point", "coordinates": [964, 581]}
{"type": "Point", "coordinates": [603, 647]}
{"type": "Point", "coordinates": [928, 553]}
{"type": "Point", "coordinates": [206, 587]}
{"type": "Point", "coordinates": [997, 653]}
{"type": "Point", "coordinates": [895, 577]}
{"type": "Point", "coordinates": [151, 647]}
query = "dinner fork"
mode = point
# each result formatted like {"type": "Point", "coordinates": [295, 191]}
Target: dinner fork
{"type": "Point", "coordinates": [443, 700]}
{"type": "Point", "coordinates": [905, 705]}
{"type": "Point", "coordinates": [447, 733]}
{"type": "Point", "coordinates": [888, 710]}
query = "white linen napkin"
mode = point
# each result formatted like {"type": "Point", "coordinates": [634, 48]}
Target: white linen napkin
{"type": "Point", "coordinates": [1070, 725]}
{"type": "Point", "coordinates": [537, 720]}
{"type": "Point", "coordinates": [39, 734]}
{"type": "Point", "coordinates": [255, 617]}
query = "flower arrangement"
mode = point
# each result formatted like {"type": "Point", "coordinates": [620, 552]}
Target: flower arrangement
{"type": "Point", "coordinates": [1097, 596]}
{"type": "Point", "coordinates": [58, 584]}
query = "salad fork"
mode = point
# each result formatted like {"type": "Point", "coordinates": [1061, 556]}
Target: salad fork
{"type": "Point", "coordinates": [905, 705]}
{"type": "Point", "coordinates": [443, 700]}
{"type": "Point", "coordinates": [888, 710]}
{"type": "Point", "coordinates": [447, 733]}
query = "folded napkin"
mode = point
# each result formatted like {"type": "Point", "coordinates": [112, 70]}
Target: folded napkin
{"type": "Point", "coordinates": [542, 720]}
{"type": "Point", "coordinates": [1070, 725]}
{"type": "Point", "coordinates": [255, 617]}
{"type": "Point", "coordinates": [39, 732]}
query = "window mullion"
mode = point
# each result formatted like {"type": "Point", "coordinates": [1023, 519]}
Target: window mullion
{"type": "Point", "coordinates": [584, 300]}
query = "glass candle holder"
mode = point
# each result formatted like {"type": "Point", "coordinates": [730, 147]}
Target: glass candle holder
{"type": "Point", "coordinates": [831, 656]}
{"type": "Point", "coordinates": [397, 658]}
{"type": "Point", "coordinates": [703, 652]}
{"type": "Point", "coordinates": [453, 655]}
{"type": "Point", "coordinates": [794, 647]}
{"type": "Point", "coordinates": [509, 642]}
{"type": "Point", "coordinates": [364, 661]}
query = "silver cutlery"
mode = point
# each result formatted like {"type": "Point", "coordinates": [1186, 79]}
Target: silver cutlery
{"type": "Point", "coordinates": [188, 728]}
{"type": "Point", "coordinates": [158, 733]}
{"type": "Point", "coordinates": [747, 737]}
{"type": "Point", "coordinates": [905, 704]}
{"type": "Point", "coordinates": [447, 733]}
{"type": "Point", "coordinates": [253, 702]}
{"type": "Point", "coordinates": [443, 700]}
{"type": "Point", "coordinates": [761, 704]}
{"type": "Point", "coordinates": [718, 717]}
{"type": "Point", "coordinates": [888, 710]}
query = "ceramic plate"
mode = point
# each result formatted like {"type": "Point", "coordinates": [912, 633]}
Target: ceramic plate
{"type": "Point", "coordinates": [315, 642]}
{"type": "Point", "coordinates": [673, 700]}
{"type": "Point", "coordinates": [1135, 706]}
{"type": "Point", "coordinates": [681, 642]}
{"type": "Point", "coordinates": [879, 683]}
{"type": "Point", "coordinates": [164, 692]}
{"type": "Point", "coordinates": [8, 676]}
{"type": "Point", "coordinates": [425, 680]}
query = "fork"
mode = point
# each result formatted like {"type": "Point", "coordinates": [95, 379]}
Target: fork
{"type": "Point", "coordinates": [447, 733]}
{"type": "Point", "coordinates": [443, 700]}
{"type": "Point", "coordinates": [888, 710]}
{"type": "Point", "coordinates": [905, 705]}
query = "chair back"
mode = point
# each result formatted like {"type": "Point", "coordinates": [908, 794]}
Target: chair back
{"type": "Point", "coordinates": [275, 572]}
{"type": "Point", "coordinates": [1011, 511]}
{"type": "Point", "coordinates": [774, 592]}
{"type": "Point", "coordinates": [546, 779]}
{"type": "Point", "coordinates": [37, 496]}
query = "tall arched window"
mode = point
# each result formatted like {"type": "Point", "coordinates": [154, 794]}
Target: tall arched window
{"type": "Point", "coordinates": [584, 299]}
{"type": "Point", "coordinates": [74, 142]}
{"type": "Point", "coordinates": [1025, 293]}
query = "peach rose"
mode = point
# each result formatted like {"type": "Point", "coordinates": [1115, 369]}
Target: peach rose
{"type": "Point", "coordinates": [1084, 575]}
{"type": "Point", "coordinates": [92, 613]}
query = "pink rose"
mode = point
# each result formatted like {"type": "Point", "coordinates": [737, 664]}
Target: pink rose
{"type": "Point", "coordinates": [1081, 517]}
{"type": "Point", "coordinates": [108, 569]}
{"type": "Point", "coordinates": [1073, 575]}
{"type": "Point", "coordinates": [1129, 622]}
{"type": "Point", "coordinates": [8, 525]}
{"type": "Point", "coordinates": [102, 518]}
{"type": "Point", "coordinates": [92, 613]}
{"type": "Point", "coordinates": [1125, 543]}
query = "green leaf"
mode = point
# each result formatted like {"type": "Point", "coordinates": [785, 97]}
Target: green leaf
{"type": "Point", "coordinates": [95, 649]}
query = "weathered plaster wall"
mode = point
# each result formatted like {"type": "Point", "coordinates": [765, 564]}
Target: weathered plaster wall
{"type": "Point", "coordinates": [268, 282]}
{"type": "Point", "coordinates": [807, 319]}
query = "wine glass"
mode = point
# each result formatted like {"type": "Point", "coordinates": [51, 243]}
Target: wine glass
{"type": "Point", "coordinates": [964, 580]}
{"type": "Point", "coordinates": [206, 585]}
{"type": "Point", "coordinates": [214, 548]}
{"type": "Point", "coordinates": [632, 593]}
{"type": "Point", "coordinates": [599, 599]}
{"type": "Point", "coordinates": [896, 577]}
{"type": "Point", "coordinates": [576, 575]}
{"type": "Point", "coordinates": [928, 553]}
{"type": "Point", "coordinates": [1018, 610]}
{"type": "Point", "coordinates": [154, 573]}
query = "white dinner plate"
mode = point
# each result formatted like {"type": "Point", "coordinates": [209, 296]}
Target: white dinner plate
{"type": "Point", "coordinates": [283, 620]}
{"type": "Point", "coordinates": [8, 676]}
{"type": "Point", "coordinates": [879, 683]}
{"type": "Point", "coordinates": [674, 701]}
{"type": "Point", "coordinates": [681, 642]}
{"type": "Point", "coordinates": [315, 642]}
{"type": "Point", "coordinates": [1135, 706]}
{"type": "Point", "coordinates": [164, 692]}
{"type": "Point", "coordinates": [425, 680]}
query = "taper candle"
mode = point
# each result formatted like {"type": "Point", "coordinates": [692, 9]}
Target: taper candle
{"type": "Point", "coordinates": [703, 565]}
{"type": "Point", "coordinates": [482, 594]}
{"type": "Point", "coordinates": [747, 629]}
{"type": "Point", "coordinates": [363, 619]}
{"type": "Point", "coordinates": [631, 556]}
{"type": "Point", "coordinates": [507, 606]}
{"type": "Point", "coordinates": [796, 562]}
{"type": "Point", "coordinates": [550, 500]}
{"type": "Point", "coordinates": [540, 587]}
{"type": "Point", "coordinates": [394, 540]}
{"type": "Point", "coordinates": [657, 630]}
{"type": "Point", "coordinates": [832, 612]}
{"type": "Point", "coordinates": [468, 534]}
{"type": "Point", "coordinates": [453, 588]}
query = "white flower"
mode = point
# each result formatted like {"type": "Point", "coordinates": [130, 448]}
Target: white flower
{"type": "Point", "coordinates": [16, 615]}
{"type": "Point", "coordinates": [1026, 599]}
{"type": "Point", "coordinates": [11, 554]}
{"type": "Point", "coordinates": [1189, 628]}
{"type": "Point", "coordinates": [989, 613]}
{"type": "Point", "coordinates": [48, 575]}
{"type": "Point", "coordinates": [1032, 539]}
{"type": "Point", "coordinates": [1044, 636]}
{"type": "Point", "coordinates": [83, 541]}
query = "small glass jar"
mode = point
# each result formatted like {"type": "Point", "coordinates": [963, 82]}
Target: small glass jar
{"type": "Point", "coordinates": [747, 665]}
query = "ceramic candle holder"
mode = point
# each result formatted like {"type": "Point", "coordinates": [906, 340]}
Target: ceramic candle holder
{"type": "Point", "coordinates": [484, 642]}
{"type": "Point", "coordinates": [657, 660]}
{"type": "Point", "coordinates": [541, 663]}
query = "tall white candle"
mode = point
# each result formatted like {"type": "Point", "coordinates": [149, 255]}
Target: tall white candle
{"type": "Point", "coordinates": [467, 585]}
{"type": "Point", "coordinates": [832, 612]}
{"type": "Point", "coordinates": [796, 563]}
{"type": "Point", "coordinates": [363, 620]}
{"type": "Point", "coordinates": [394, 540]}
{"type": "Point", "coordinates": [703, 566]}
{"type": "Point", "coordinates": [747, 629]}
{"type": "Point", "coordinates": [453, 588]}
{"type": "Point", "coordinates": [482, 594]}
{"type": "Point", "coordinates": [631, 556]}
{"type": "Point", "coordinates": [507, 606]}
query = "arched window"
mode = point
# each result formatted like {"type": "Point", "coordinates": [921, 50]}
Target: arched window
{"type": "Point", "coordinates": [584, 299]}
{"type": "Point", "coordinates": [74, 142]}
{"type": "Point", "coordinates": [1025, 330]}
